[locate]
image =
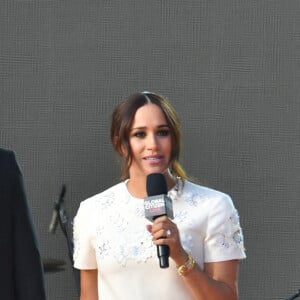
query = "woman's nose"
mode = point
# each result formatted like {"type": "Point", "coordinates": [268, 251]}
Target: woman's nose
{"type": "Point", "coordinates": [152, 142]}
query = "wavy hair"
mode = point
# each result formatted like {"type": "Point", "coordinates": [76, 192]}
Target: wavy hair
{"type": "Point", "coordinates": [121, 123]}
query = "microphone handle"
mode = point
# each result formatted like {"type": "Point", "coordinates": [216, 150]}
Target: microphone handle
{"type": "Point", "coordinates": [163, 253]}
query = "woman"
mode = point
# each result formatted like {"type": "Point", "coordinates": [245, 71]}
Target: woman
{"type": "Point", "coordinates": [115, 245]}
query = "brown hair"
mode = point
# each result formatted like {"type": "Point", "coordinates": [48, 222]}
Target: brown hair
{"type": "Point", "coordinates": [121, 122]}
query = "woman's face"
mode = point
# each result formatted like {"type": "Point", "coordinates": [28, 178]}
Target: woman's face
{"type": "Point", "coordinates": [150, 141]}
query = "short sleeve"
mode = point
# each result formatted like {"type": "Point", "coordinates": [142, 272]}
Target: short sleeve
{"type": "Point", "coordinates": [84, 253]}
{"type": "Point", "coordinates": [224, 237]}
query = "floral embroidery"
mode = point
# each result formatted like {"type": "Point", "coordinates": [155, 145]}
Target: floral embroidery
{"type": "Point", "coordinates": [103, 248]}
{"type": "Point", "coordinates": [120, 226]}
{"type": "Point", "coordinates": [128, 238]}
{"type": "Point", "coordinates": [187, 242]}
{"type": "Point", "coordinates": [230, 234]}
{"type": "Point", "coordinates": [106, 201]}
{"type": "Point", "coordinates": [181, 216]}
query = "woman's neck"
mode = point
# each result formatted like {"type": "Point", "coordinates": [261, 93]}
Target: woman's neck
{"type": "Point", "coordinates": [137, 185]}
{"type": "Point", "coordinates": [137, 188]}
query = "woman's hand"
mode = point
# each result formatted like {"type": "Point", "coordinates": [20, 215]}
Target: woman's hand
{"type": "Point", "coordinates": [165, 232]}
{"type": "Point", "coordinates": [217, 281]}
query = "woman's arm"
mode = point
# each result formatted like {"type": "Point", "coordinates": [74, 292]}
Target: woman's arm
{"type": "Point", "coordinates": [89, 285]}
{"type": "Point", "coordinates": [218, 280]}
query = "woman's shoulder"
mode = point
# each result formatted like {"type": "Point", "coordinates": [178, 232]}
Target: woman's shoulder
{"type": "Point", "coordinates": [189, 186]}
{"type": "Point", "coordinates": [104, 195]}
{"type": "Point", "coordinates": [201, 193]}
{"type": "Point", "coordinates": [90, 207]}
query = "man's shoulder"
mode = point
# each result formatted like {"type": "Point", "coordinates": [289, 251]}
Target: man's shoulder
{"type": "Point", "coordinates": [5, 152]}
{"type": "Point", "coordinates": [6, 157]}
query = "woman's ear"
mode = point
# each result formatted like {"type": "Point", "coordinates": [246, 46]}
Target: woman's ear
{"type": "Point", "coordinates": [124, 151]}
{"type": "Point", "coordinates": [115, 140]}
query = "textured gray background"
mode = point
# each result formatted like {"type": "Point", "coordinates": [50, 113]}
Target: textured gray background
{"type": "Point", "coordinates": [232, 70]}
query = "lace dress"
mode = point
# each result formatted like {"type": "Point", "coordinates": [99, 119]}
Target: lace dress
{"type": "Point", "coordinates": [110, 235]}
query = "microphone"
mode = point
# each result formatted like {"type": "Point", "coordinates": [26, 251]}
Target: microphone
{"type": "Point", "coordinates": [56, 208]}
{"type": "Point", "coordinates": [158, 204]}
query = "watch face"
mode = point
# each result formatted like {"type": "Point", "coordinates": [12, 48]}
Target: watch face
{"type": "Point", "coordinates": [188, 266]}
{"type": "Point", "coordinates": [182, 270]}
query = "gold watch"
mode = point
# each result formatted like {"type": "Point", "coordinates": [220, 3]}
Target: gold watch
{"type": "Point", "coordinates": [186, 267]}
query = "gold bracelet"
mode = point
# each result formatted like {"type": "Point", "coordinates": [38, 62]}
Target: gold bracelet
{"type": "Point", "coordinates": [187, 266]}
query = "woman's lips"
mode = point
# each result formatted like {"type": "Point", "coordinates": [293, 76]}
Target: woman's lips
{"type": "Point", "coordinates": [154, 159]}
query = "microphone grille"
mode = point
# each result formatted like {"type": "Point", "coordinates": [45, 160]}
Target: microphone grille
{"type": "Point", "coordinates": [156, 184]}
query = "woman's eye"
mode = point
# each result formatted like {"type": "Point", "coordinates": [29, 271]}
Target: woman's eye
{"type": "Point", "coordinates": [163, 132]}
{"type": "Point", "coordinates": [139, 134]}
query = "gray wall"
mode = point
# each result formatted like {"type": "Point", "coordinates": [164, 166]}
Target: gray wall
{"type": "Point", "coordinates": [231, 68]}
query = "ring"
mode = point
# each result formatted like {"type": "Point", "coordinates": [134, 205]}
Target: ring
{"type": "Point", "coordinates": [169, 232]}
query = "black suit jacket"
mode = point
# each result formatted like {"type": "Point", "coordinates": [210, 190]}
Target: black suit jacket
{"type": "Point", "coordinates": [21, 271]}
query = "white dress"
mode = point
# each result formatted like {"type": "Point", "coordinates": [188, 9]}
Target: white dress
{"type": "Point", "coordinates": [110, 235]}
